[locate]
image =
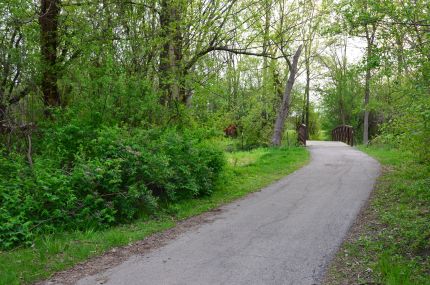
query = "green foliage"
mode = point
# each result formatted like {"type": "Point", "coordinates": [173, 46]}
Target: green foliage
{"type": "Point", "coordinates": [112, 152]}
{"type": "Point", "coordinates": [92, 178]}
{"type": "Point", "coordinates": [409, 116]}
{"type": "Point", "coordinates": [390, 243]}
{"type": "Point", "coordinates": [314, 127]}
{"type": "Point", "coordinates": [398, 73]}
{"type": "Point", "coordinates": [341, 102]}
{"type": "Point", "coordinates": [61, 250]}
{"type": "Point", "coordinates": [402, 205]}
{"type": "Point", "coordinates": [14, 226]}
{"type": "Point", "coordinates": [256, 127]}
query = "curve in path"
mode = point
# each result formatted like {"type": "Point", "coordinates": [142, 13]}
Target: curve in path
{"type": "Point", "coordinates": [284, 234]}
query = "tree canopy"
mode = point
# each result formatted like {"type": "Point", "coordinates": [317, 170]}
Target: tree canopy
{"type": "Point", "coordinates": [108, 105]}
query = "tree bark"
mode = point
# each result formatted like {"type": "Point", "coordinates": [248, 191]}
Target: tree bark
{"type": "Point", "coordinates": [307, 89]}
{"type": "Point", "coordinates": [164, 65]}
{"type": "Point", "coordinates": [48, 20]}
{"type": "Point", "coordinates": [171, 54]}
{"type": "Point", "coordinates": [2, 109]}
{"type": "Point", "coordinates": [370, 37]}
{"type": "Point", "coordinates": [400, 52]}
{"type": "Point", "coordinates": [267, 15]}
{"type": "Point", "coordinates": [343, 85]}
{"type": "Point", "coordinates": [285, 105]}
{"type": "Point", "coordinates": [366, 111]}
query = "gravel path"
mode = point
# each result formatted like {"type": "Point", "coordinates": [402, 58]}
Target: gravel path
{"type": "Point", "coordinates": [285, 234]}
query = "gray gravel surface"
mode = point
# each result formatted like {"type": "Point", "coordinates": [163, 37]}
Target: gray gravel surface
{"type": "Point", "coordinates": [285, 234]}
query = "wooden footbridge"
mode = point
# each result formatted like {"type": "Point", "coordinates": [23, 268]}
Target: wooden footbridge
{"type": "Point", "coordinates": [342, 133]}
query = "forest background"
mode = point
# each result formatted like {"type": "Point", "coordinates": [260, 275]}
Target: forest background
{"type": "Point", "coordinates": [112, 110]}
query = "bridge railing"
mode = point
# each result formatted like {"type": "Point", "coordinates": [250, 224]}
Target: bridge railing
{"type": "Point", "coordinates": [302, 134]}
{"type": "Point", "coordinates": [344, 134]}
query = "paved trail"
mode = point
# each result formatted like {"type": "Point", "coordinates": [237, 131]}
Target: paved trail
{"type": "Point", "coordinates": [285, 234]}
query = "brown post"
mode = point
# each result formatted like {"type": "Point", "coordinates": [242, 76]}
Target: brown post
{"type": "Point", "coordinates": [302, 134]}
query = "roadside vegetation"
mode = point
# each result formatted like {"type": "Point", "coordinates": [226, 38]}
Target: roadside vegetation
{"type": "Point", "coordinates": [245, 172]}
{"type": "Point", "coordinates": [119, 117]}
{"type": "Point", "coordinates": [390, 243]}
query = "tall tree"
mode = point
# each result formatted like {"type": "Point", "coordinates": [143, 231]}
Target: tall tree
{"type": "Point", "coordinates": [48, 19]}
{"type": "Point", "coordinates": [285, 104]}
{"type": "Point", "coordinates": [309, 31]}
{"type": "Point", "coordinates": [171, 53]}
{"type": "Point", "coordinates": [362, 19]}
{"type": "Point", "coordinates": [370, 30]}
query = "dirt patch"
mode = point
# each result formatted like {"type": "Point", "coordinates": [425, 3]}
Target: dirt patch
{"type": "Point", "coordinates": [118, 255]}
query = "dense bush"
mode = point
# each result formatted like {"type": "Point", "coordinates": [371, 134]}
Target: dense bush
{"type": "Point", "coordinates": [92, 178]}
{"type": "Point", "coordinates": [408, 116]}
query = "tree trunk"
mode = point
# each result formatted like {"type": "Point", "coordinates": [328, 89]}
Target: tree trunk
{"type": "Point", "coordinates": [370, 36]}
{"type": "Point", "coordinates": [343, 86]}
{"type": "Point", "coordinates": [285, 105]}
{"type": "Point", "coordinates": [400, 52]}
{"type": "Point", "coordinates": [171, 54]}
{"type": "Point", "coordinates": [366, 111]}
{"type": "Point", "coordinates": [266, 79]}
{"type": "Point", "coordinates": [2, 111]}
{"type": "Point", "coordinates": [48, 20]}
{"type": "Point", "coordinates": [164, 65]}
{"type": "Point", "coordinates": [307, 89]}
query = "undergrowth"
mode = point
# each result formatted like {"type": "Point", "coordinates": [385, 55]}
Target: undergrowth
{"type": "Point", "coordinates": [245, 172]}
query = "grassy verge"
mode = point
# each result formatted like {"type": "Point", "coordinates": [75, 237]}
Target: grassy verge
{"type": "Point", "coordinates": [246, 172]}
{"type": "Point", "coordinates": [390, 243]}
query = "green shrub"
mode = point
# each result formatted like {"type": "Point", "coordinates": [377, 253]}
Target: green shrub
{"type": "Point", "coordinates": [93, 178]}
